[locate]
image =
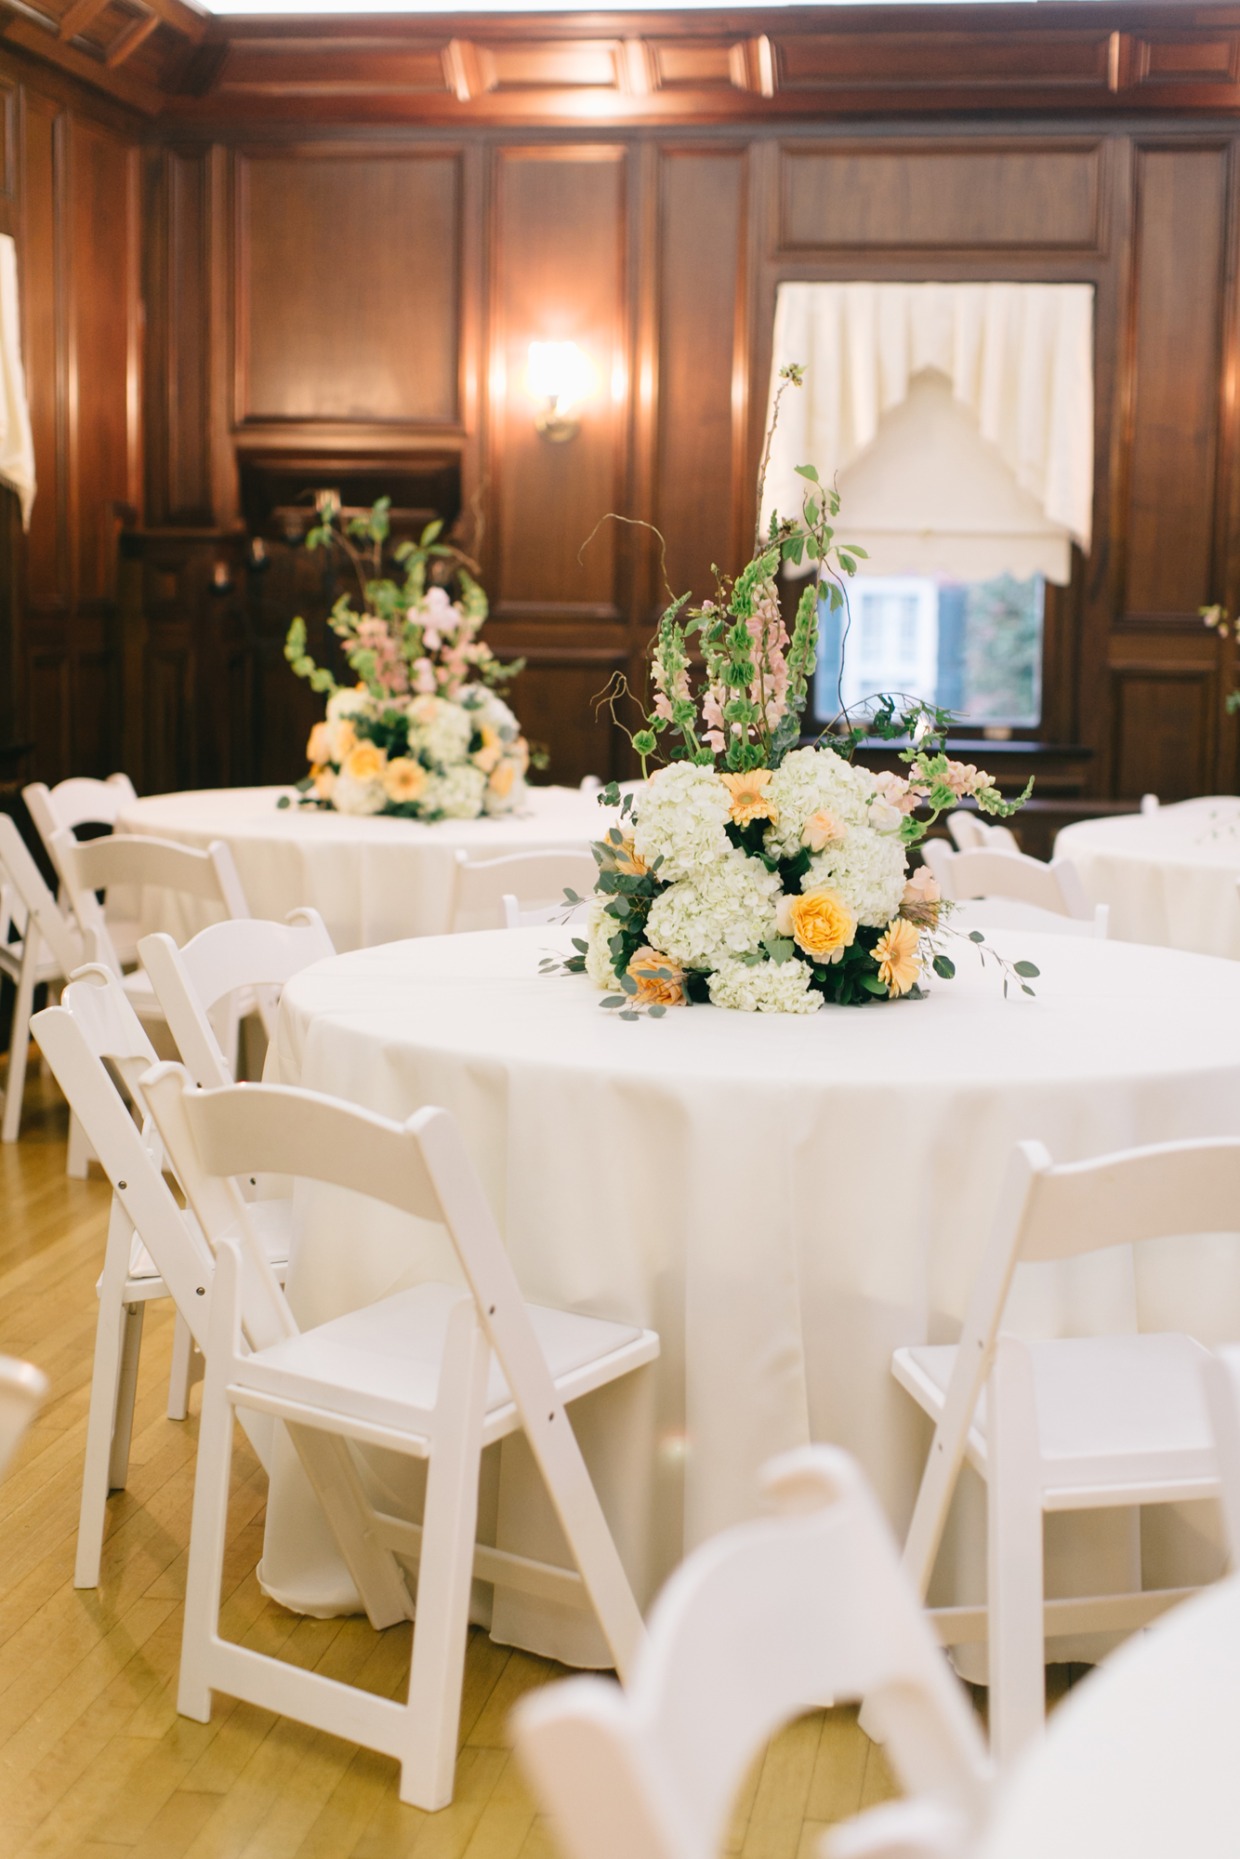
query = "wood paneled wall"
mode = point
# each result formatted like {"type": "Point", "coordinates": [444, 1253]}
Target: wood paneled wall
{"type": "Point", "coordinates": [333, 294]}
{"type": "Point", "coordinates": [70, 200]}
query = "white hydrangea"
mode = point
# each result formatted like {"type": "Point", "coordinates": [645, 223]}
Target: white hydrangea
{"type": "Point", "coordinates": [501, 799]}
{"type": "Point", "coordinates": [726, 910]}
{"type": "Point", "coordinates": [456, 795]}
{"type": "Point", "coordinates": [764, 987]}
{"type": "Point", "coordinates": [809, 780]}
{"type": "Point", "coordinates": [357, 797]}
{"type": "Point", "coordinates": [867, 869]}
{"type": "Point", "coordinates": [681, 817]}
{"type": "Point", "coordinates": [347, 700]}
{"type": "Point", "coordinates": [484, 707]}
{"type": "Point", "coordinates": [599, 929]}
{"type": "Point", "coordinates": [440, 731]}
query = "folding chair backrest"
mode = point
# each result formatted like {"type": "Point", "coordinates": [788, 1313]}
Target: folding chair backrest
{"type": "Point", "coordinates": [94, 1025]}
{"type": "Point", "coordinates": [94, 865]}
{"type": "Point", "coordinates": [985, 872]}
{"type": "Point", "coordinates": [79, 801]}
{"type": "Point", "coordinates": [535, 879]}
{"type": "Point", "coordinates": [19, 871]}
{"type": "Point", "coordinates": [207, 974]}
{"type": "Point", "coordinates": [23, 1389]}
{"type": "Point", "coordinates": [1223, 1395]}
{"type": "Point", "coordinates": [764, 1622]}
{"type": "Point", "coordinates": [1048, 1213]}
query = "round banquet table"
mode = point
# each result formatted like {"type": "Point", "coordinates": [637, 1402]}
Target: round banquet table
{"type": "Point", "coordinates": [1169, 877]}
{"type": "Point", "coordinates": [1140, 1758]}
{"type": "Point", "coordinates": [372, 880]}
{"type": "Point", "coordinates": [784, 1198]}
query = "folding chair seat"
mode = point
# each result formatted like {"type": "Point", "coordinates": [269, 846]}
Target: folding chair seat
{"type": "Point", "coordinates": [84, 801]}
{"type": "Point", "coordinates": [37, 945]}
{"type": "Point", "coordinates": [764, 1622]}
{"type": "Point", "coordinates": [154, 1248]}
{"type": "Point", "coordinates": [970, 832]}
{"type": "Point", "coordinates": [1060, 1424]}
{"type": "Point", "coordinates": [415, 1373]}
{"type": "Point", "coordinates": [520, 888]}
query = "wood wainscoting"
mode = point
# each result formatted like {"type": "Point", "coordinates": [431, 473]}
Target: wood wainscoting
{"type": "Point", "coordinates": [326, 247]}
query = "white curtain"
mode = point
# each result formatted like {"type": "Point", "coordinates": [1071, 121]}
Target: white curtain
{"type": "Point", "coordinates": [957, 420]}
{"type": "Point", "coordinates": [16, 441]}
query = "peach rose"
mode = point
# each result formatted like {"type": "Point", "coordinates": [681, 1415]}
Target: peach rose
{"type": "Point", "coordinates": [403, 778]}
{"type": "Point", "coordinates": [660, 982]}
{"type": "Point", "coordinates": [324, 784]}
{"type": "Point", "coordinates": [818, 922]}
{"type": "Point", "coordinates": [502, 779]}
{"type": "Point", "coordinates": [749, 799]}
{"type": "Point", "coordinates": [319, 747]}
{"type": "Point", "coordinates": [343, 739]}
{"type": "Point", "coordinates": [365, 763]}
{"type": "Point", "coordinates": [822, 829]}
{"type": "Point", "coordinates": [921, 899]}
{"type": "Point", "coordinates": [488, 756]}
{"type": "Point", "coordinates": [896, 955]}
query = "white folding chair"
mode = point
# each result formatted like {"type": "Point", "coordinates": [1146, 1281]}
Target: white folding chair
{"type": "Point", "coordinates": [199, 986]}
{"type": "Point", "coordinates": [436, 1372]}
{"type": "Point", "coordinates": [154, 1249]}
{"type": "Point", "coordinates": [970, 832]}
{"type": "Point", "coordinates": [84, 801]}
{"type": "Point", "coordinates": [535, 881]}
{"type": "Point", "coordinates": [764, 1622]}
{"type": "Point", "coordinates": [37, 944]}
{"type": "Point", "coordinates": [1222, 1371]}
{"type": "Point", "coordinates": [1079, 1423]}
{"type": "Point", "coordinates": [1016, 890]}
{"type": "Point", "coordinates": [23, 1390]}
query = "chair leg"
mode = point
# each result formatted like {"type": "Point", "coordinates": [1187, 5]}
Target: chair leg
{"type": "Point", "coordinates": [445, 1568]}
{"type": "Point", "coordinates": [186, 1369]}
{"type": "Point", "coordinates": [209, 1522]}
{"type": "Point", "coordinates": [19, 1042]}
{"type": "Point", "coordinates": [110, 1339]}
{"type": "Point", "coordinates": [126, 1393]}
{"type": "Point", "coordinates": [80, 1154]}
{"type": "Point", "coordinates": [1014, 1556]}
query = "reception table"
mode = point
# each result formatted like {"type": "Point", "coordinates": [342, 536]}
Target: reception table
{"type": "Point", "coordinates": [371, 880]}
{"type": "Point", "coordinates": [1169, 876]}
{"type": "Point", "coordinates": [784, 1198]}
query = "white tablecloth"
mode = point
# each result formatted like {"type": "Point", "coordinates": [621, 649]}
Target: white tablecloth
{"type": "Point", "coordinates": [371, 880]}
{"type": "Point", "coordinates": [1169, 877]}
{"type": "Point", "coordinates": [785, 1199]}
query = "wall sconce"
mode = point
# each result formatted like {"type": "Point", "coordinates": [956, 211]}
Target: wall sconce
{"type": "Point", "coordinates": [560, 377]}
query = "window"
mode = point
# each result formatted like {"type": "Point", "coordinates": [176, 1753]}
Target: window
{"type": "Point", "coordinates": [973, 647]}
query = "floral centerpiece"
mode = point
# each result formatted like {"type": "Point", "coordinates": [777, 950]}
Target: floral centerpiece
{"type": "Point", "coordinates": [424, 733]}
{"type": "Point", "coordinates": [752, 871]}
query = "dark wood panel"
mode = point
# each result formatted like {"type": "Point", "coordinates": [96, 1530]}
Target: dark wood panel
{"type": "Point", "coordinates": [189, 355]}
{"type": "Point", "coordinates": [8, 140]}
{"type": "Point", "coordinates": [48, 712]}
{"type": "Point", "coordinates": [557, 707]}
{"type": "Point", "coordinates": [103, 233]}
{"type": "Point", "coordinates": [1180, 244]}
{"type": "Point", "coordinates": [701, 246]}
{"type": "Point", "coordinates": [95, 709]}
{"type": "Point", "coordinates": [1165, 730]}
{"type": "Point", "coordinates": [917, 60]}
{"type": "Point", "coordinates": [44, 339]}
{"type": "Point", "coordinates": [559, 275]}
{"type": "Point", "coordinates": [931, 197]}
{"type": "Point", "coordinates": [348, 287]}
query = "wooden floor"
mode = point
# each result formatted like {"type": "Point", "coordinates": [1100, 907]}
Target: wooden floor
{"type": "Point", "coordinates": [95, 1762]}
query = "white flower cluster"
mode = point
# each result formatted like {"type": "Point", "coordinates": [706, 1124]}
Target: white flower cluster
{"type": "Point", "coordinates": [457, 794]}
{"type": "Point", "coordinates": [725, 910]}
{"type": "Point", "coordinates": [764, 987]}
{"type": "Point", "coordinates": [681, 820]}
{"type": "Point", "coordinates": [599, 930]}
{"type": "Point", "coordinates": [462, 757]}
{"type": "Point", "coordinates": [439, 731]}
{"type": "Point", "coordinates": [809, 781]}
{"type": "Point", "coordinates": [867, 870]}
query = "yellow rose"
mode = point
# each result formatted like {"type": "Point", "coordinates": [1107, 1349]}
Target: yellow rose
{"type": "Point", "coordinates": [365, 763]}
{"type": "Point", "coordinates": [403, 778]}
{"type": "Point", "coordinates": [896, 955]}
{"type": "Point", "coordinates": [502, 779]}
{"type": "Point", "coordinates": [818, 922]}
{"type": "Point", "coordinates": [660, 982]}
{"type": "Point", "coordinates": [319, 747]}
{"type": "Point", "coordinates": [343, 740]}
{"type": "Point", "coordinates": [488, 756]}
{"type": "Point", "coordinates": [822, 829]}
{"type": "Point", "coordinates": [749, 799]}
